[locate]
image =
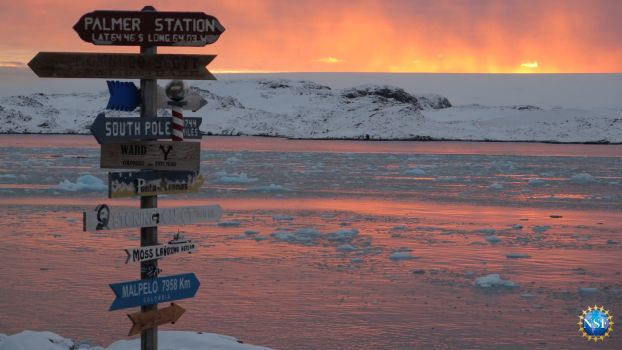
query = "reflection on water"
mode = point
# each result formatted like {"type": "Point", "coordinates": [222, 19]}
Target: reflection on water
{"type": "Point", "coordinates": [333, 244]}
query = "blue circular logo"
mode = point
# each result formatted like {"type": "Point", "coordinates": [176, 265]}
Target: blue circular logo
{"type": "Point", "coordinates": [595, 323]}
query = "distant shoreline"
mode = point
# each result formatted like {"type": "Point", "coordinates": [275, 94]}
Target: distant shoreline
{"type": "Point", "coordinates": [417, 138]}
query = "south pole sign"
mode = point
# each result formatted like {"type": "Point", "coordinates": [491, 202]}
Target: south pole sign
{"type": "Point", "coordinates": [113, 129]}
{"type": "Point", "coordinates": [153, 252]}
{"type": "Point", "coordinates": [148, 28]}
{"type": "Point", "coordinates": [153, 291]}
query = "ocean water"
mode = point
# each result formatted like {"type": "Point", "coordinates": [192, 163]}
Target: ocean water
{"type": "Point", "coordinates": [332, 244]}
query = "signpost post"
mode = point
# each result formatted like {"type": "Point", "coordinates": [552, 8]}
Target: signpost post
{"type": "Point", "coordinates": [132, 143]}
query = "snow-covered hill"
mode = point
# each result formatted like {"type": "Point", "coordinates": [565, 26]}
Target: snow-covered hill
{"type": "Point", "coordinates": [305, 109]}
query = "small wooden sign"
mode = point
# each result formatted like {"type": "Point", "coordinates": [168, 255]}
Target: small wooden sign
{"type": "Point", "coordinates": [113, 129]}
{"type": "Point", "coordinates": [121, 66]}
{"type": "Point", "coordinates": [148, 28]}
{"type": "Point", "coordinates": [149, 319]}
{"type": "Point", "coordinates": [154, 252]}
{"type": "Point", "coordinates": [153, 291]}
{"type": "Point", "coordinates": [104, 218]}
{"type": "Point", "coordinates": [155, 155]}
{"type": "Point", "coordinates": [151, 183]}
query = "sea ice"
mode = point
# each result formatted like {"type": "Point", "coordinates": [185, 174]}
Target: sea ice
{"type": "Point", "coordinates": [582, 178]}
{"type": "Point", "coordinates": [535, 182]}
{"type": "Point", "coordinates": [493, 239]}
{"type": "Point", "coordinates": [517, 226]}
{"type": "Point", "coordinates": [85, 182]}
{"type": "Point", "coordinates": [241, 178]}
{"type": "Point", "coordinates": [269, 188]}
{"type": "Point", "coordinates": [232, 161]}
{"type": "Point", "coordinates": [496, 186]}
{"type": "Point", "coordinates": [343, 235]}
{"type": "Point", "coordinates": [395, 256]}
{"type": "Point", "coordinates": [493, 280]}
{"type": "Point", "coordinates": [345, 248]}
{"type": "Point", "coordinates": [517, 256]}
{"type": "Point", "coordinates": [540, 229]}
{"type": "Point", "coordinates": [414, 171]}
{"type": "Point", "coordinates": [229, 224]}
{"type": "Point", "coordinates": [282, 218]}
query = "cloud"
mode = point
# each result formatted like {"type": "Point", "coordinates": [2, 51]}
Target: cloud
{"type": "Point", "coordinates": [330, 60]}
{"type": "Point", "coordinates": [533, 64]}
{"type": "Point", "coordinates": [12, 64]}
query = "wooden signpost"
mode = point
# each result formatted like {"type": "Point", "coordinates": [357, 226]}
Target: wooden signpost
{"type": "Point", "coordinates": [104, 218]}
{"type": "Point", "coordinates": [108, 130]}
{"type": "Point", "coordinates": [160, 155]}
{"type": "Point", "coordinates": [153, 252]}
{"type": "Point", "coordinates": [148, 29]}
{"type": "Point", "coordinates": [120, 66]}
{"type": "Point", "coordinates": [150, 183]}
{"type": "Point", "coordinates": [150, 319]}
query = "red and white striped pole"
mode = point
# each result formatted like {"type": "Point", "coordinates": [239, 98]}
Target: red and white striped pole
{"type": "Point", "coordinates": [177, 127]}
{"type": "Point", "coordinates": [176, 90]}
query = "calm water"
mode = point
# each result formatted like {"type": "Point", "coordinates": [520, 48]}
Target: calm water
{"type": "Point", "coordinates": [304, 259]}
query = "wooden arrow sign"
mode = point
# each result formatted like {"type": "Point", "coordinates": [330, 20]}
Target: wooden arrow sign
{"type": "Point", "coordinates": [160, 251]}
{"type": "Point", "coordinates": [108, 130]}
{"type": "Point", "coordinates": [150, 319]}
{"type": "Point", "coordinates": [148, 28]}
{"type": "Point", "coordinates": [121, 66]}
{"type": "Point", "coordinates": [156, 155]}
{"type": "Point", "coordinates": [104, 218]}
{"type": "Point", "coordinates": [151, 183]}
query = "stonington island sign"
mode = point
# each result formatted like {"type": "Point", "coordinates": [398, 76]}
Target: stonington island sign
{"type": "Point", "coordinates": [154, 28]}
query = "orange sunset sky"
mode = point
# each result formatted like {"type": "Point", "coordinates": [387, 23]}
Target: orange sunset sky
{"type": "Point", "coordinates": [462, 36]}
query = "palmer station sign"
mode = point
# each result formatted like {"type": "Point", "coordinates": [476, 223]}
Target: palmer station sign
{"type": "Point", "coordinates": [153, 28]}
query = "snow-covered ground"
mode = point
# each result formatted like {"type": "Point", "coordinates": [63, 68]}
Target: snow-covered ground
{"type": "Point", "coordinates": [178, 340]}
{"type": "Point", "coordinates": [539, 109]}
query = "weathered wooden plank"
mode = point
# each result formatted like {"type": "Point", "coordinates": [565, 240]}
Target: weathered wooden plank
{"type": "Point", "coordinates": [121, 66]}
{"type": "Point", "coordinates": [151, 183]}
{"type": "Point", "coordinates": [153, 155]}
{"type": "Point", "coordinates": [105, 218]}
{"type": "Point", "coordinates": [149, 319]}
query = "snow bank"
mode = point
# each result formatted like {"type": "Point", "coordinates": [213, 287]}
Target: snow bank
{"type": "Point", "coordinates": [85, 182]}
{"type": "Point", "coordinates": [305, 109]}
{"type": "Point", "coordinates": [493, 280]}
{"type": "Point", "coordinates": [178, 340]}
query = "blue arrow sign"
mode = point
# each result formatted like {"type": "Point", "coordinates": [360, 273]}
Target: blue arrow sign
{"type": "Point", "coordinates": [124, 96]}
{"type": "Point", "coordinates": [153, 291]}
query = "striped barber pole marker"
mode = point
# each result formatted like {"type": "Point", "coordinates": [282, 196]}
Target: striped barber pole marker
{"type": "Point", "coordinates": [177, 126]}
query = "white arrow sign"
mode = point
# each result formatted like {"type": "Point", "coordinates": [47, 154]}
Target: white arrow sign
{"type": "Point", "coordinates": [153, 252]}
{"type": "Point", "coordinates": [104, 218]}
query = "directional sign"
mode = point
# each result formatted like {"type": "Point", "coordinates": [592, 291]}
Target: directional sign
{"type": "Point", "coordinates": [121, 66]}
{"type": "Point", "coordinates": [155, 155]}
{"type": "Point", "coordinates": [124, 96]}
{"type": "Point", "coordinates": [153, 291]}
{"type": "Point", "coordinates": [154, 28]}
{"type": "Point", "coordinates": [108, 130]}
{"type": "Point", "coordinates": [104, 218]}
{"type": "Point", "coordinates": [150, 319]}
{"type": "Point", "coordinates": [151, 183]}
{"type": "Point", "coordinates": [157, 251]}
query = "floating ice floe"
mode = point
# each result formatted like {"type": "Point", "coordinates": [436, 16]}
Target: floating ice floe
{"type": "Point", "coordinates": [282, 217]}
{"type": "Point", "coordinates": [303, 235]}
{"type": "Point", "coordinates": [496, 186]}
{"type": "Point", "coordinates": [517, 256]}
{"type": "Point", "coordinates": [345, 248]}
{"type": "Point", "coordinates": [493, 280]}
{"type": "Point", "coordinates": [251, 232]}
{"type": "Point", "coordinates": [232, 161]}
{"type": "Point", "coordinates": [85, 182]}
{"type": "Point", "coordinates": [535, 182]}
{"type": "Point", "coordinates": [540, 229]}
{"type": "Point", "coordinates": [493, 239]}
{"type": "Point", "coordinates": [8, 176]}
{"type": "Point", "coordinates": [395, 256]}
{"type": "Point", "coordinates": [487, 231]}
{"type": "Point", "coordinates": [343, 235]}
{"type": "Point", "coordinates": [517, 226]}
{"type": "Point", "coordinates": [582, 178]}
{"type": "Point", "coordinates": [414, 171]}
{"type": "Point", "coordinates": [588, 290]}
{"type": "Point", "coordinates": [229, 224]}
